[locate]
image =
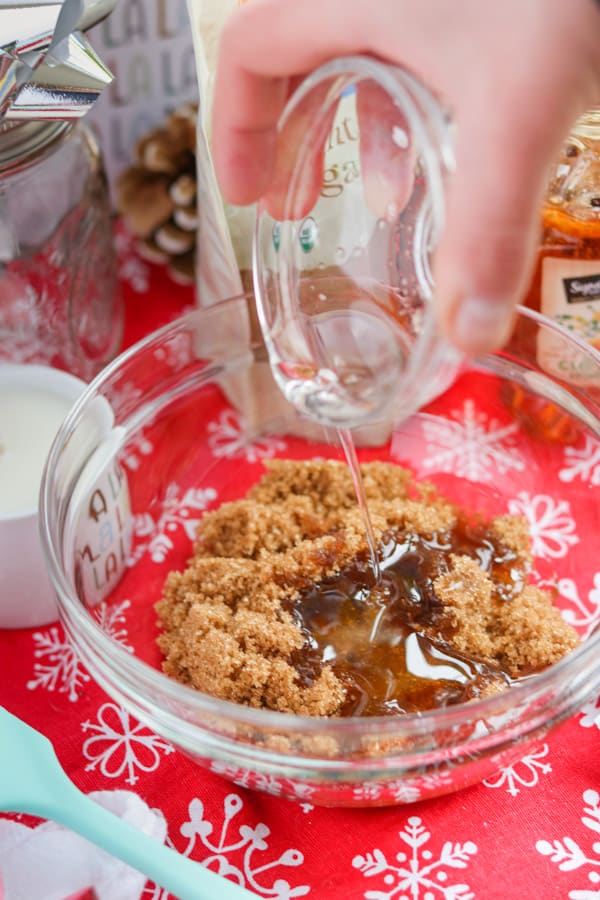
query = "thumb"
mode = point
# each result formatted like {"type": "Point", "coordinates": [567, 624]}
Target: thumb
{"type": "Point", "coordinates": [487, 251]}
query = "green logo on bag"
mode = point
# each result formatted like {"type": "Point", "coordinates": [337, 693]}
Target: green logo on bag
{"type": "Point", "coordinates": [308, 234]}
{"type": "Point", "coordinates": [277, 235]}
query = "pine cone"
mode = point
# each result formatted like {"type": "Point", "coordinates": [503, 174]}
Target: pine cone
{"type": "Point", "coordinates": [157, 195]}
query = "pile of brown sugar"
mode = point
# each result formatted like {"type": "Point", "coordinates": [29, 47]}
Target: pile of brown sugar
{"type": "Point", "coordinates": [278, 608]}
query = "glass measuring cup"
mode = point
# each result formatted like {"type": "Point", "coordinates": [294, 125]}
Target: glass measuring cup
{"type": "Point", "coordinates": [344, 241]}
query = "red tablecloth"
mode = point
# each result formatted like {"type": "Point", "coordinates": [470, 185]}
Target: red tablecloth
{"type": "Point", "coordinates": [532, 832]}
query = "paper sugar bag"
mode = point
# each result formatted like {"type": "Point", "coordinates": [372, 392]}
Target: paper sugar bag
{"type": "Point", "coordinates": [225, 234]}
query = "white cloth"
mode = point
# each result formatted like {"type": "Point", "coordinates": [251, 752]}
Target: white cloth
{"type": "Point", "coordinates": [52, 862]}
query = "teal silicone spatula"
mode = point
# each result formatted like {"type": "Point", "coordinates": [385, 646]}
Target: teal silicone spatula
{"type": "Point", "coordinates": [32, 781]}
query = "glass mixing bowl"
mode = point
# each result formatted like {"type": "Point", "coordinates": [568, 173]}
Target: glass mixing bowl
{"type": "Point", "coordinates": [171, 429]}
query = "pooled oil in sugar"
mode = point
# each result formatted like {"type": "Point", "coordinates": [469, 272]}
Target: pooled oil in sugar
{"type": "Point", "coordinates": [375, 634]}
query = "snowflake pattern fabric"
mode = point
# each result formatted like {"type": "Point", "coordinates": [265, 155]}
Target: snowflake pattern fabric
{"type": "Point", "coordinates": [260, 781]}
{"type": "Point", "coordinates": [118, 746]}
{"type": "Point", "coordinates": [227, 438]}
{"type": "Point", "coordinates": [582, 463]}
{"type": "Point", "coordinates": [133, 271]}
{"type": "Point", "coordinates": [418, 872]}
{"type": "Point", "coordinates": [239, 852]}
{"type": "Point", "coordinates": [531, 830]}
{"type": "Point", "coordinates": [590, 714]}
{"type": "Point", "coordinates": [525, 773]}
{"type": "Point", "coordinates": [470, 444]}
{"type": "Point", "coordinates": [569, 855]}
{"type": "Point", "coordinates": [179, 510]}
{"type": "Point", "coordinates": [57, 666]}
{"type": "Point", "coordinates": [551, 525]}
{"type": "Point", "coordinates": [582, 612]}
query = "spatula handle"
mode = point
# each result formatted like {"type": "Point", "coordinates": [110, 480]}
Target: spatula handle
{"type": "Point", "coordinates": [185, 879]}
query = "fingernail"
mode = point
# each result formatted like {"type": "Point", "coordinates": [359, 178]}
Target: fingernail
{"type": "Point", "coordinates": [480, 325]}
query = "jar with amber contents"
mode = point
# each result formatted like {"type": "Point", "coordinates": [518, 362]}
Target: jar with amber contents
{"type": "Point", "coordinates": [566, 282]}
{"type": "Point", "coordinates": [566, 285]}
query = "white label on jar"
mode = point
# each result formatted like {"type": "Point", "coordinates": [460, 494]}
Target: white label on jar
{"type": "Point", "coordinates": [103, 536]}
{"type": "Point", "coordinates": [570, 294]}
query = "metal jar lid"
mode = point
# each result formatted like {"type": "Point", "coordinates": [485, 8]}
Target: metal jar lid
{"type": "Point", "coordinates": [48, 69]}
{"type": "Point", "coordinates": [22, 143]}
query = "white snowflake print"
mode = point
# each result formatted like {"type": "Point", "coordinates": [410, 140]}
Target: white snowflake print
{"type": "Point", "coordinates": [132, 269]}
{"type": "Point", "coordinates": [177, 352]}
{"type": "Point", "coordinates": [590, 714]}
{"type": "Point", "coordinates": [420, 787]}
{"type": "Point", "coordinates": [237, 854]}
{"type": "Point", "coordinates": [34, 337]}
{"type": "Point", "coordinates": [266, 783]}
{"type": "Point", "coordinates": [138, 446]}
{"type": "Point", "coordinates": [551, 525]}
{"type": "Point", "coordinates": [154, 535]}
{"type": "Point", "coordinates": [404, 790]}
{"type": "Point", "coordinates": [228, 438]}
{"type": "Point", "coordinates": [136, 273]}
{"type": "Point", "coordinates": [371, 790]}
{"type": "Point", "coordinates": [583, 615]}
{"type": "Point", "coordinates": [184, 311]}
{"type": "Point", "coordinates": [123, 397]}
{"type": "Point", "coordinates": [582, 463]}
{"type": "Point", "coordinates": [112, 621]}
{"type": "Point", "coordinates": [470, 444]}
{"type": "Point", "coordinates": [568, 854]}
{"type": "Point", "coordinates": [417, 872]}
{"type": "Point", "coordinates": [60, 668]}
{"type": "Point", "coordinates": [523, 773]}
{"type": "Point", "coordinates": [119, 744]}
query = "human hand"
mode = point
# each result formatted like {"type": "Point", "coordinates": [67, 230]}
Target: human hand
{"type": "Point", "coordinates": [515, 74]}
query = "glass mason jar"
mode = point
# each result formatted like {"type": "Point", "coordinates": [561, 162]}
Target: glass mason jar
{"type": "Point", "coordinates": [59, 294]}
{"type": "Point", "coordinates": [344, 241]}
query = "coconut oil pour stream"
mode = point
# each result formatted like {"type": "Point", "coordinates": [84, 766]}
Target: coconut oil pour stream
{"type": "Point", "coordinates": [347, 442]}
{"type": "Point", "coordinates": [359, 357]}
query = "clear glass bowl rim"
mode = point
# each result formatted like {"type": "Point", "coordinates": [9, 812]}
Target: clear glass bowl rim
{"type": "Point", "coordinates": [154, 684]}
